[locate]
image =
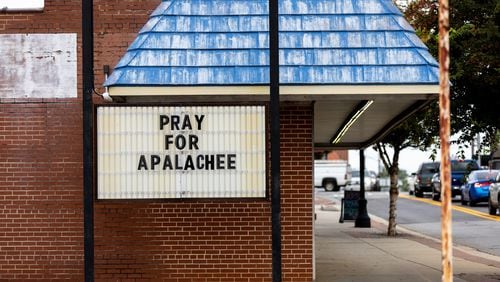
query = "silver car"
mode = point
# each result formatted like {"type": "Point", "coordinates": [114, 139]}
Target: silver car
{"type": "Point", "coordinates": [494, 197]}
{"type": "Point", "coordinates": [372, 182]}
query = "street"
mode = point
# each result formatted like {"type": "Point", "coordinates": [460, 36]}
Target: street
{"type": "Point", "coordinates": [472, 226]}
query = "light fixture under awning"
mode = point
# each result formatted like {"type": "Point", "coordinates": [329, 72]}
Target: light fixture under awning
{"type": "Point", "coordinates": [360, 109]}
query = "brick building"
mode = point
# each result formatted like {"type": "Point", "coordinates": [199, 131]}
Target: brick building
{"type": "Point", "coordinates": [339, 60]}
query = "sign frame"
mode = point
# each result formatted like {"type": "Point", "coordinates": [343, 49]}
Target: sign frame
{"type": "Point", "coordinates": [266, 196]}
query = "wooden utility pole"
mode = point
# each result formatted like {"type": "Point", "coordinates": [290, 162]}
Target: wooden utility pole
{"type": "Point", "coordinates": [444, 135]}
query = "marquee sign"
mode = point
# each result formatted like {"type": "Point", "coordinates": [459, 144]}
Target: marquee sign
{"type": "Point", "coordinates": [181, 152]}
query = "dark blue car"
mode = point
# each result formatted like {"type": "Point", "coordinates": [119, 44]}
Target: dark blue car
{"type": "Point", "coordinates": [459, 170]}
{"type": "Point", "coordinates": [477, 187]}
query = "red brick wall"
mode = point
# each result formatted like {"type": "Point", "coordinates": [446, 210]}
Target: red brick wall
{"type": "Point", "coordinates": [41, 214]}
{"type": "Point", "coordinates": [297, 191]}
{"type": "Point", "coordinates": [215, 240]}
{"type": "Point", "coordinates": [116, 24]}
{"type": "Point", "coordinates": [41, 221]}
{"type": "Point", "coordinates": [41, 217]}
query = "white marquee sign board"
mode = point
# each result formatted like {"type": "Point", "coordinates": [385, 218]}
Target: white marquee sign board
{"type": "Point", "coordinates": [181, 152]}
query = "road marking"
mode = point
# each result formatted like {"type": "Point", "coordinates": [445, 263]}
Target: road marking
{"type": "Point", "coordinates": [457, 208]}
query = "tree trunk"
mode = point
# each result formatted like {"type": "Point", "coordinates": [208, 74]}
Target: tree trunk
{"type": "Point", "coordinates": [393, 196]}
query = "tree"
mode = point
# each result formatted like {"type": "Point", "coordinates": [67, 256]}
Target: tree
{"type": "Point", "coordinates": [475, 67]}
{"type": "Point", "coordinates": [418, 131]}
{"type": "Point", "coordinates": [475, 63]}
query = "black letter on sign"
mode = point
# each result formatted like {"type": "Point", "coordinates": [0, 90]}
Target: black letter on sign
{"type": "Point", "coordinates": [167, 163]}
{"type": "Point", "coordinates": [142, 163]}
{"type": "Point", "coordinates": [168, 140]}
{"type": "Point", "coordinates": [155, 159]}
{"type": "Point", "coordinates": [209, 162]}
{"type": "Point", "coordinates": [163, 121]}
{"type": "Point", "coordinates": [199, 120]}
{"type": "Point", "coordinates": [177, 164]}
{"type": "Point", "coordinates": [186, 124]}
{"type": "Point", "coordinates": [231, 161]}
{"type": "Point", "coordinates": [175, 122]}
{"type": "Point", "coordinates": [199, 162]}
{"type": "Point", "coordinates": [193, 142]}
{"type": "Point", "coordinates": [189, 163]}
{"type": "Point", "coordinates": [180, 142]}
{"type": "Point", "coordinates": [220, 161]}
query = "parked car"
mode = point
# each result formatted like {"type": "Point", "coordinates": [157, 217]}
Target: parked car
{"type": "Point", "coordinates": [423, 177]}
{"type": "Point", "coordinates": [331, 175]}
{"type": "Point", "coordinates": [372, 182]}
{"type": "Point", "coordinates": [494, 197]}
{"type": "Point", "coordinates": [477, 187]}
{"type": "Point", "coordinates": [436, 187]}
{"type": "Point", "coordinates": [459, 170]}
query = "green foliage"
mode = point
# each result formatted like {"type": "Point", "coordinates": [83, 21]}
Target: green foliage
{"type": "Point", "coordinates": [474, 75]}
{"type": "Point", "coordinates": [418, 131]}
{"type": "Point", "coordinates": [475, 62]}
{"type": "Point", "coordinates": [423, 16]}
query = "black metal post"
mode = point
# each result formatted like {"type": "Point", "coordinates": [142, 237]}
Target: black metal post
{"type": "Point", "coordinates": [274, 109]}
{"type": "Point", "coordinates": [362, 220]}
{"type": "Point", "coordinates": [88, 87]}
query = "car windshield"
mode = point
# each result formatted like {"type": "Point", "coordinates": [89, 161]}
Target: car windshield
{"type": "Point", "coordinates": [464, 166]}
{"type": "Point", "coordinates": [355, 173]}
{"type": "Point", "coordinates": [485, 175]}
{"type": "Point", "coordinates": [429, 168]}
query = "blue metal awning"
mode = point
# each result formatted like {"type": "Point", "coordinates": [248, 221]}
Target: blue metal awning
{"type": "Point", "coordinates": [339, 53]}
{"type": "Point", "coordinates": [322, 42]}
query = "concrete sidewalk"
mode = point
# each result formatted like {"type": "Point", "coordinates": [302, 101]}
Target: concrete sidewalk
{"type": "Point", "coordinates": [346, 253]}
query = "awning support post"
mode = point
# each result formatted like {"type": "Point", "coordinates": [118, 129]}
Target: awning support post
{"type": "Point", "coordinates": [362, 220]}
{"type": "Point", "coordinates": [88, 88]}
{"type": "Point", "coordinates": [274, 109]}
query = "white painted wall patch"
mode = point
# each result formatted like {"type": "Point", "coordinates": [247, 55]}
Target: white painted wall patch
{"type": "Point", "coordinates": [38, 66]}
{"type": "Point", "coordinates": [22, 5]}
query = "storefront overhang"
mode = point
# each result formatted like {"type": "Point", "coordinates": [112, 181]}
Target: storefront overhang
{"type": "Point", "coordinates": [333, 109]}
{"type": "Point", "coordinates": [360, 62]}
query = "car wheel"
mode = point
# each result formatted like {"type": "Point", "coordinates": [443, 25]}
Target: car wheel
{"type": "Point", "coordinates": [411, 192]}
{"type": "Point", "coordinates": [492, 210]}
{"type": "Point", "coordinates": [329, 186]}
{"type": "Point", "coordinates": [419, 194]}
{"type": "Point", "coordinates": [435, 196]}
{"type": "Point", "coordinates": [471, 202]}
{"type": "Point", "coordinates": [462, 200]}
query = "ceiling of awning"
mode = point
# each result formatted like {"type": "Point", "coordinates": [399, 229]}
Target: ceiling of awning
{"type": "Point", "coordinates": [341, 54]}
{"type": "Point", "coordinates": [333, 106]}
{"type": "Point", "coordinates": [379, 118]}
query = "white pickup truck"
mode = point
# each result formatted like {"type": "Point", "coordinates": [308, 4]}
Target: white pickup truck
{"type": "Point", "coordinates": [331, 175]}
